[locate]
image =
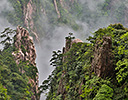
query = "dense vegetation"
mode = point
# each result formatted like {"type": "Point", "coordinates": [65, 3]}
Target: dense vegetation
{"type": "Point", "coordinates": [73, 79]}
{"type": "Point", "coordinates": [14, 83]}
{"type": "Point", "coordinates": [74, 75]}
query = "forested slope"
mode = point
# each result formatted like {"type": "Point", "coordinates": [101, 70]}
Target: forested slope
{"type": "Point", "coordinates": [18, 73]}
{"type": "Point", "coordinates": [97, 70]}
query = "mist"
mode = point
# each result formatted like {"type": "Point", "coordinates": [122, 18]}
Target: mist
{"type": "Point", "coordinates": [4, 6]}
{"type": "Point", "coordinates": [44, 51]}
{"type": "Point", "coordinates": [92, 4]}
{"type": "Point", "coordinates": [54, 40]}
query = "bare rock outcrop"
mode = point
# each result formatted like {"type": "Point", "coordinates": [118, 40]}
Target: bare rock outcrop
{"type": "Point", "coordinates": [24, 43]}
{"type": "Point", "coordinates": [102, 64]}
{"type": "Point", "coordinates": [29, 11]}
{"type": "Point", "coordinates": [25, 51]}
{"type": "Point", "coordinates": [76, 41]}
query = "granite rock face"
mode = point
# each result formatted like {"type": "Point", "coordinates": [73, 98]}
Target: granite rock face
{"type": "Point", "coordinates": [102, 64]}
{"type": "Point", "coordinates": [24, 44]}
{"type": "Point", "coordinates": [25, 51]}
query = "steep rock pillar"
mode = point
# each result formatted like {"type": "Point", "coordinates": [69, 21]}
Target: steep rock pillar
{"type": "Point", "coordinates": [25, 51]}
{"type": "Point", "coordinates": [102, 64]}
{"type": "Point", "coordinates": [56, 7]}
{"type": "Point", "coordinates": [69, 43]}
{"type": "Point", "coordinates": [24, 43]}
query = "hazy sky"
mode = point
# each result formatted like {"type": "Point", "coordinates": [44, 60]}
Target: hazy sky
{"type": "Point", "coordinates": [44, 53]}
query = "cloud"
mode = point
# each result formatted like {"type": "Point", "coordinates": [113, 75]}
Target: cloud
{"type": "Point", "coordinates": [54, 42]}
{"type": "Point", "coordinates": [92, 4]}
{"type": "Point", "coordinates": [4, 6]}
{"type": "Point", "coordinates": [55, 37]}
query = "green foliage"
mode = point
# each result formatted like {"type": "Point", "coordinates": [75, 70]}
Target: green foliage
{"type": "Point", "coordinates": [6, 37]}
{"type": "Point", "coordinates": [16, 16]}
{"type": "Point", "coordinates": [72, 13]}
{"type": "Point", "coordinates": [104, 93]}
{"type": "Point", "coordinates": [122, 68]}
{"type": "Point", "coordinates": [3, 93]}
{"type": "Point", "coordinates": [15, 82]}
{"type": "Point", "coordinates": [73, 77]}
{"type": "Point", "coordinates": [14, 78]}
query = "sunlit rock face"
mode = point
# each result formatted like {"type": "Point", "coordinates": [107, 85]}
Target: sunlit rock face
{"type": "Point", "coordinates": [102, 63]}
{"type": "Point", "coordinates": [25, 47]}
{"type": "Point", "coordinates": [28, 12]}
{"type": "Point", "coordinates": [25, 51]}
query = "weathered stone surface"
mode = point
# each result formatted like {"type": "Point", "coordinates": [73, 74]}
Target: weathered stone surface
{"type": "Point", "coordinates": [25, 51]}
{"type": "Point", "coordinates": [76, 41]}
{"type": "Point", "coordinates": [102, 64]}
{"type": "Point", "coordinates": [24, 43]}
{"type": "Point", "coordinates": [29, 11]}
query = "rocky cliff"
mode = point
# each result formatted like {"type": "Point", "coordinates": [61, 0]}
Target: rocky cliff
{"type": "Point", "coordinates": [102, 63]}
{"type": "Point", "coordinates": [93, 71]}
{"type": "Point", "coordinates": [103, 58]}
{"type": "Point", "coordinates": [68, 45]}
{"type": "Point", "coordinates": [29, 11]}
{"type": "Point", "coordinates": [42, 17]}
{"type": "Point", "coordinates": [25, 51]}
{"type": "Point", "coordinates": [25, 46]}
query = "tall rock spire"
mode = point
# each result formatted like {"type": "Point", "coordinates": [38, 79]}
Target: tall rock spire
{"type": "Point", "coordinates": [25, 51]}
{"type": "Point", "coordinates": [103, 58]}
